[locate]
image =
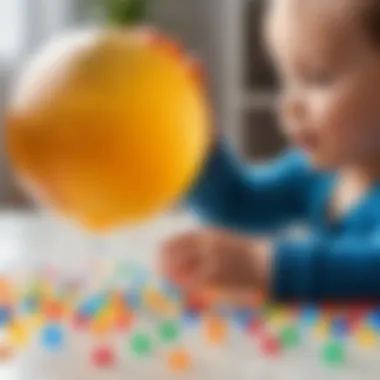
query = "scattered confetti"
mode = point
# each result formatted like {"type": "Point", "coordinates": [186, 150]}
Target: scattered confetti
{"type": "Point", "coordinates": [309, 315]}
{"type": "Point", "coordinates": [133, 298]}
{"type": "Point", "coordinates": [141, 344]}
{"type": "Point", "coordinates": [270, 346]}
{"type": "Point", "coordinates": [374, 319]}
{"type": "Point", "coordinates": [80, 321]}
{"type": "Point", "coordinates": [52, 337]}
{"type": "Point", "coordinates": [18, 334]}
{"type": "Point", "coordinates": [47, 308]}
{"type": "Point", "coordinates": [333, 353]}
{"type": "Point", "coordinates": [321, 329]}
{"type": "Point", "coordinates": [5, 315]}
{"type": "Point", "coordinates": [53, 310]}
{"type": "Point", "coordinates": [190, 317]}
{"type": "Point", "coordinates": [123, 321]}
{"type": "Point", "coordinates": [256, 328]}
{"type": "Point", "coordinates": [103, 357]}
{"type": "Point", "coordinates": [169, 331]}
{"type": "Point", "coordinates": [290, 337]}
{"type": "Point", "coordinates": [244, 317]}
{"type": "Point", "coordinates": [366, 337]}
{"type": "Point", "coordinates": [339, 327]}
{"type": "Point", "coordinates": [6, 351]}
{"type": "Point", "coordinates": [179, 360]}
{"type": "Point", "coordinates": [215, 330]}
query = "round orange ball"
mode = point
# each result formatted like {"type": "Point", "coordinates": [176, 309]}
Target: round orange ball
{"type": "Point", "coordinates": [109, 127]}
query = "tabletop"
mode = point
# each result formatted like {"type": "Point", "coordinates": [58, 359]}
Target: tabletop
{"type": "Point", "coordinates": [28, 240]}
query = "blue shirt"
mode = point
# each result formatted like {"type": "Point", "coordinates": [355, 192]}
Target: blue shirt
{"type": "Point", "coordinates": [338, 260]}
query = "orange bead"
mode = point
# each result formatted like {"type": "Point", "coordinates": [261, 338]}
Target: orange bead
{"type": "Point", "coordinates": [123, 321]}
{"type": "Point", "coordinates": [215, 330]}
{"type": "Point", "coordinates": [7, 293]}
{"type": "Point", "coordinates": [6, 351]}
{"type": "Point", "coordinates": [53, 310]}
{"type": "Point", "coordinates": [102, 324]}
{"type": "Point", "coordinates": [179, 360]}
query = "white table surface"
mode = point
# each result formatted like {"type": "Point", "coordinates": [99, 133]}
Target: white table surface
{"type": "Point", "coordinates": [29, 239]}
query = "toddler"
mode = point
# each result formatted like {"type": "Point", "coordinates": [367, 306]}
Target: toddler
{"type": "Point", "coordinates": [328, 60]}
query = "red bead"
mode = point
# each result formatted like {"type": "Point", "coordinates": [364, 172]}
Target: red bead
{"type": "Point", "coordinates": [270, 346]}
{"type": "Point", "coordinates": [103, 356]}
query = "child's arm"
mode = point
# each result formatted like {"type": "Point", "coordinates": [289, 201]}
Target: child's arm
{"type": "Point", "coordinates": [318, 269]}
{"type": "Point", "coordinates": [313, 270]}
{"type": "Point", "coordinates": [262, 199]}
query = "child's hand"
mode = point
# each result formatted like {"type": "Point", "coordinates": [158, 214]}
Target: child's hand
{"type": "Point", "coordinates": [212, 258]}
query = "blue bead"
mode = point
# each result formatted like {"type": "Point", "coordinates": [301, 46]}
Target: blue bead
{"type": "Point", "coordinates": [5, 315]}
{"type": "Point", "coordinates": [190, 317]}
{"type": "Point", "coordinates": [374, 319]}
{"type": "Point", "coordinates": [52, 337]}
{"type": "Point", "coordinates": [309, 315]}
{"type": "Point", "coordinates": [133, 298]}
{"type": "Point", "coordinates": [244, 317]}
{"type": "Point", "coordinates": [92, 305]}
{"type": "Point", "coordinates": [339, 327]}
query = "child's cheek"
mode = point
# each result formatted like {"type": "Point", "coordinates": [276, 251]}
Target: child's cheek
{"type": "Point", "coordinates": [344, 127]}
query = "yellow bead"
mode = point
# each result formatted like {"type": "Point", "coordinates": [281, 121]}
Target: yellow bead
{"type": "Point", "coordinates": [279, 317]}
{"type": "Point", "coordinates": [18, 333]}
{"type": "Point", "coordinates": [321, 329]}
{"type": "Point", "coordinates": [365, 337]}
{"type": "Point", "coordinates": [104, 322]}
{"type": "Point", "coordinates": [156, 301]}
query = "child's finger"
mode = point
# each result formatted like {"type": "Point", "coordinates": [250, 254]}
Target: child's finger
{"type": "Point", "coordinates": [179, 262]}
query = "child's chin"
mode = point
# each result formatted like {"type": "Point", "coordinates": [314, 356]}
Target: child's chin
{"type": "Point", "coordinates": [321, 163]}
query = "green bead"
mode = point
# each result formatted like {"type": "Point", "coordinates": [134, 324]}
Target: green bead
{"type": "Point", "coordinates": [169, 331]}
{"type": "Point", "coordinates": [290, 337]}
{"type": "Point", "coordinates": [141, 344]}
{"type": "Point", "coordinates": [333, 353]}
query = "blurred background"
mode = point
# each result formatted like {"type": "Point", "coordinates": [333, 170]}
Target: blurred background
{"type": "Point", "coordinates": [226, 34]}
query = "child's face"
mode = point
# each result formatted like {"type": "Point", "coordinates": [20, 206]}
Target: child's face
{"type": "Point", "coordinates": [331, 80]}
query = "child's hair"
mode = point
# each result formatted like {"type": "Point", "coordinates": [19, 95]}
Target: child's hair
{"type": "Point", "coordinates": [370, 19]}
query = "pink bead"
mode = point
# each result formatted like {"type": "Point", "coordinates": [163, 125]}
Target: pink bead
{"type": "Point", "coordinates": [80, 321]}
{"type": "Point", "coordinates": [270, 346]}
{"type": "Point", "coordinates": [103, 356]}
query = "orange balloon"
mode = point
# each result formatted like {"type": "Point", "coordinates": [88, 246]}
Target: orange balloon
{"type": "Point", "coordinates": [109, 127]}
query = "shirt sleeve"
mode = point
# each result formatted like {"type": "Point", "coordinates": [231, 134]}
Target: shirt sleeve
{"type": "Point", "coordinates": [326, 270]}
{"type": "Point", "coordinates": [252, 199]}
